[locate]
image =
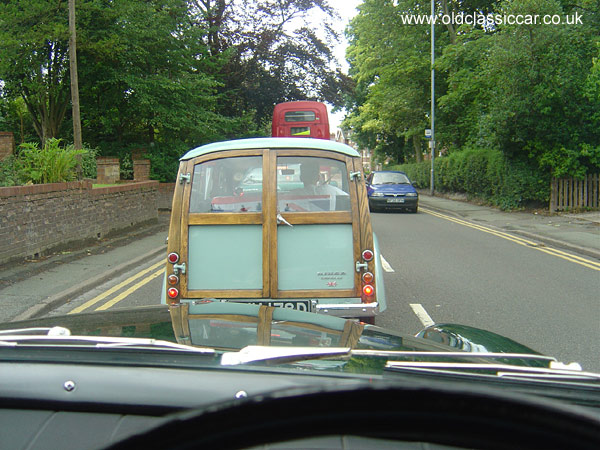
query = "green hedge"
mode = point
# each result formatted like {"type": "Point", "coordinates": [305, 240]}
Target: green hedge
{"type": "Point", "coordinates": [484, 174]}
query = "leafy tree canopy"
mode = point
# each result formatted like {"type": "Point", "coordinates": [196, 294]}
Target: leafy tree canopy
{"type": "Point", "coordinates": [527, 90]}
{"type": "Point", "coordinates": [163, 75]}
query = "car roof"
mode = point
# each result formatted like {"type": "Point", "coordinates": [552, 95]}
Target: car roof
{"type": "Point", "coordinates": [388, 171]}
{"type": "Point", "coordinates": [271, 143]}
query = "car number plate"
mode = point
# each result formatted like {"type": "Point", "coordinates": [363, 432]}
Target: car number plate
{"type": "Point", "coordinates": [300, 305]}
{"type": "Point", "coordinates": [395, 200]}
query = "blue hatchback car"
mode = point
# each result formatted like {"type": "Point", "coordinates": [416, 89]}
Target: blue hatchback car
{"type": "Point", "coordinates": [391, 190]}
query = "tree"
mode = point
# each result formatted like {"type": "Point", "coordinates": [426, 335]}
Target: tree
{"type": "Point", "coordinates": [144, 75]}
{"type": "Point", "coordinates": [390, 63]}
{"type": "Point", "coordinates": [275, 50]}
{"type": "Point", "coordinates": [526, 89]}
{"type": "Point", "coordinates": [520, 88]}
{"type": "Point", "coordinates": [34, 60]}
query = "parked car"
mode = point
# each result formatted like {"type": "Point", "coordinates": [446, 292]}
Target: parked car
{"type": "Point", "coordinates": [391, 190]}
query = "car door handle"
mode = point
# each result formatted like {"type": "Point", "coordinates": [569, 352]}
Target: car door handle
{"type": "Point", "coordinates": [281, 220]}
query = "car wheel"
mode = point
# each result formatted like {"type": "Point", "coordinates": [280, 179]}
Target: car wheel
{"type": "Point", "coordinates": [414, 210]}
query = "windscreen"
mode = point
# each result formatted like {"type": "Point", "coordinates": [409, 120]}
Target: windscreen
{"type": "Point", "coordinates": [390, 178]}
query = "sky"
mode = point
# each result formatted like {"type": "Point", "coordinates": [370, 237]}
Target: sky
{"type": "Point", "coordinates": [347, 10]}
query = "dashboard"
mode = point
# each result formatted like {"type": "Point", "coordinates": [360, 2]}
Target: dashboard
{"type": "Point", "coordinates": [74, 406]}
{"type": "Point", "coordinates": [100, 406]}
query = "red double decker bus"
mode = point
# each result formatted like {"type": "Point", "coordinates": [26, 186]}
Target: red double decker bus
{"type": "Point", "coordinates": [300, 119]}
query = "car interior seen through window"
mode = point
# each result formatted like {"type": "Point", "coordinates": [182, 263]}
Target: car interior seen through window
{"type": "Point", "coordinates": [311, 184]}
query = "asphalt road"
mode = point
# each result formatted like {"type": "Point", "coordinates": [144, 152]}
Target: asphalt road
{"type": "Point", "coordinates": [447, 270]}
{"type": "Point", "coordinates": [473, 276]}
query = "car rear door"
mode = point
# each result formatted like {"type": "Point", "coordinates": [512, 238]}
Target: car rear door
{"type": "Point", "coordinates": [250, 227]}
{"type": "Point", "coordinates": [222, 231]}
{"type": "Point", "coordinates": [317, 227]}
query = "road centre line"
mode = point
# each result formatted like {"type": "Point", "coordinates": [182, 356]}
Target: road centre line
{"type": "Point", "coordinates": [132, 289]}
{"type": "Point", "coordinates": [425, 319]}
{"type": "Point", "coordinates": [521, 241]}
{"type": "Point", "coordinates": [114, 289]}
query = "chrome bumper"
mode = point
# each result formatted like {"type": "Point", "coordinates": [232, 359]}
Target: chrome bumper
{"type": "Point", "coordinates": [345, 310]}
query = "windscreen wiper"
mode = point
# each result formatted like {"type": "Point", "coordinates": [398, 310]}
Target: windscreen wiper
{"type": "Point", "coordinates": [496, 365]}
{"type": "Point", "coordinates": [281, 355]}
{"type": "Point", "coordinates": [48, 331]}
{"type": "Point", "coordinates": [504, 365]}
{"type": "Point", "coordinates": [255, 353]}
{"type": "Point", "coordinates": [31, 340]}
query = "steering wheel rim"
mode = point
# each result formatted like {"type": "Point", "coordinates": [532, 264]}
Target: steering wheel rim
{"type": "Point", "coordinates": [457, 416]}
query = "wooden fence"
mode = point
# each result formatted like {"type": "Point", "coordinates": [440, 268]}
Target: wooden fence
{"type": "Point", "coordinates": [571, 193]}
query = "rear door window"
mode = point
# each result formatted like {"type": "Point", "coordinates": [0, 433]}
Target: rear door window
{"type": "Point", "coordinates": [228, 185]}
{"type": "Point", "coordinates": [317, 185]}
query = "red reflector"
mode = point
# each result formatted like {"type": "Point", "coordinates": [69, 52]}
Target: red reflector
{"type": "Point", "coordinates": [367, 255]}
{"type": "Point", "coordinates": [173, 280]}
{"type": "Point", "coordinates": [368, 277]}
{"type": "Point", "coordinates": [368, 290]}
{"type": "Point", "coordinates": [172, 293]}
{"type": "Point", "coordinates": [173, 257]}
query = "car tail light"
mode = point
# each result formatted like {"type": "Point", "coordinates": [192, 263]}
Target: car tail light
{"type": "Point", "coordinates": [368, 293]}
{"type": "Point", "coordinates": [173, 293]}
{"type": "Point", "coordinates": [173, 257]}
{"type": "Point", "coordinates": [367, 255]}
{"type": "Point", "coordinates": [368, 277]}
{"type": "Point", "coordinates": [173, 280]}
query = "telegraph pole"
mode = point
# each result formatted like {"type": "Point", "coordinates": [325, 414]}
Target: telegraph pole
{"type": "Point", "coordinates": [77, 142]}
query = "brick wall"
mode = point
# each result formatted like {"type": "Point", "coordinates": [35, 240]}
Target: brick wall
{"type": "Point", "coordinates": [40, 218]}
{"type": "Point", "coordinates": [7, 144]}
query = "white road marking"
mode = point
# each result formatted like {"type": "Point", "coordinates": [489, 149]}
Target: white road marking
{"type": "Point", "coordinates": [425, 319]}
{"type": "Point", "coordinates": [386, 265]}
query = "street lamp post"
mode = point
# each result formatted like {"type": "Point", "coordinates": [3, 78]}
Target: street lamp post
{"type": "Point", "coordinates": [432, 141]}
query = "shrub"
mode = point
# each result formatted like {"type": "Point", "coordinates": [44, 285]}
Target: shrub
{"type": "Point", "coordinates": [88, 163]}
{"type": "Point", "coordinates": [50, 164]}
{"type": "Point", "coordinates": [9, 172]}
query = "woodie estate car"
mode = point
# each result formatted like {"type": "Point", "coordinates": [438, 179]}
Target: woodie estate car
{"type": "Point", "coordinates": [276, 221]}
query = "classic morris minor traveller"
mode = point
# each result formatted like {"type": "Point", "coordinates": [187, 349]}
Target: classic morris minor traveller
{"type": "Point", "coordinates": [277, 221]}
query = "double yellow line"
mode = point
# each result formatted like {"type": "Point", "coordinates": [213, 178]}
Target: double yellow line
{"type": "Point", "coordinates": [519, 240]}
{"type": "Point", "coordinates": [121, 285]}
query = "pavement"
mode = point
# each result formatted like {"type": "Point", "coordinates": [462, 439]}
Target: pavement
{"type": "Point", "coordinates": [30, 289]}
